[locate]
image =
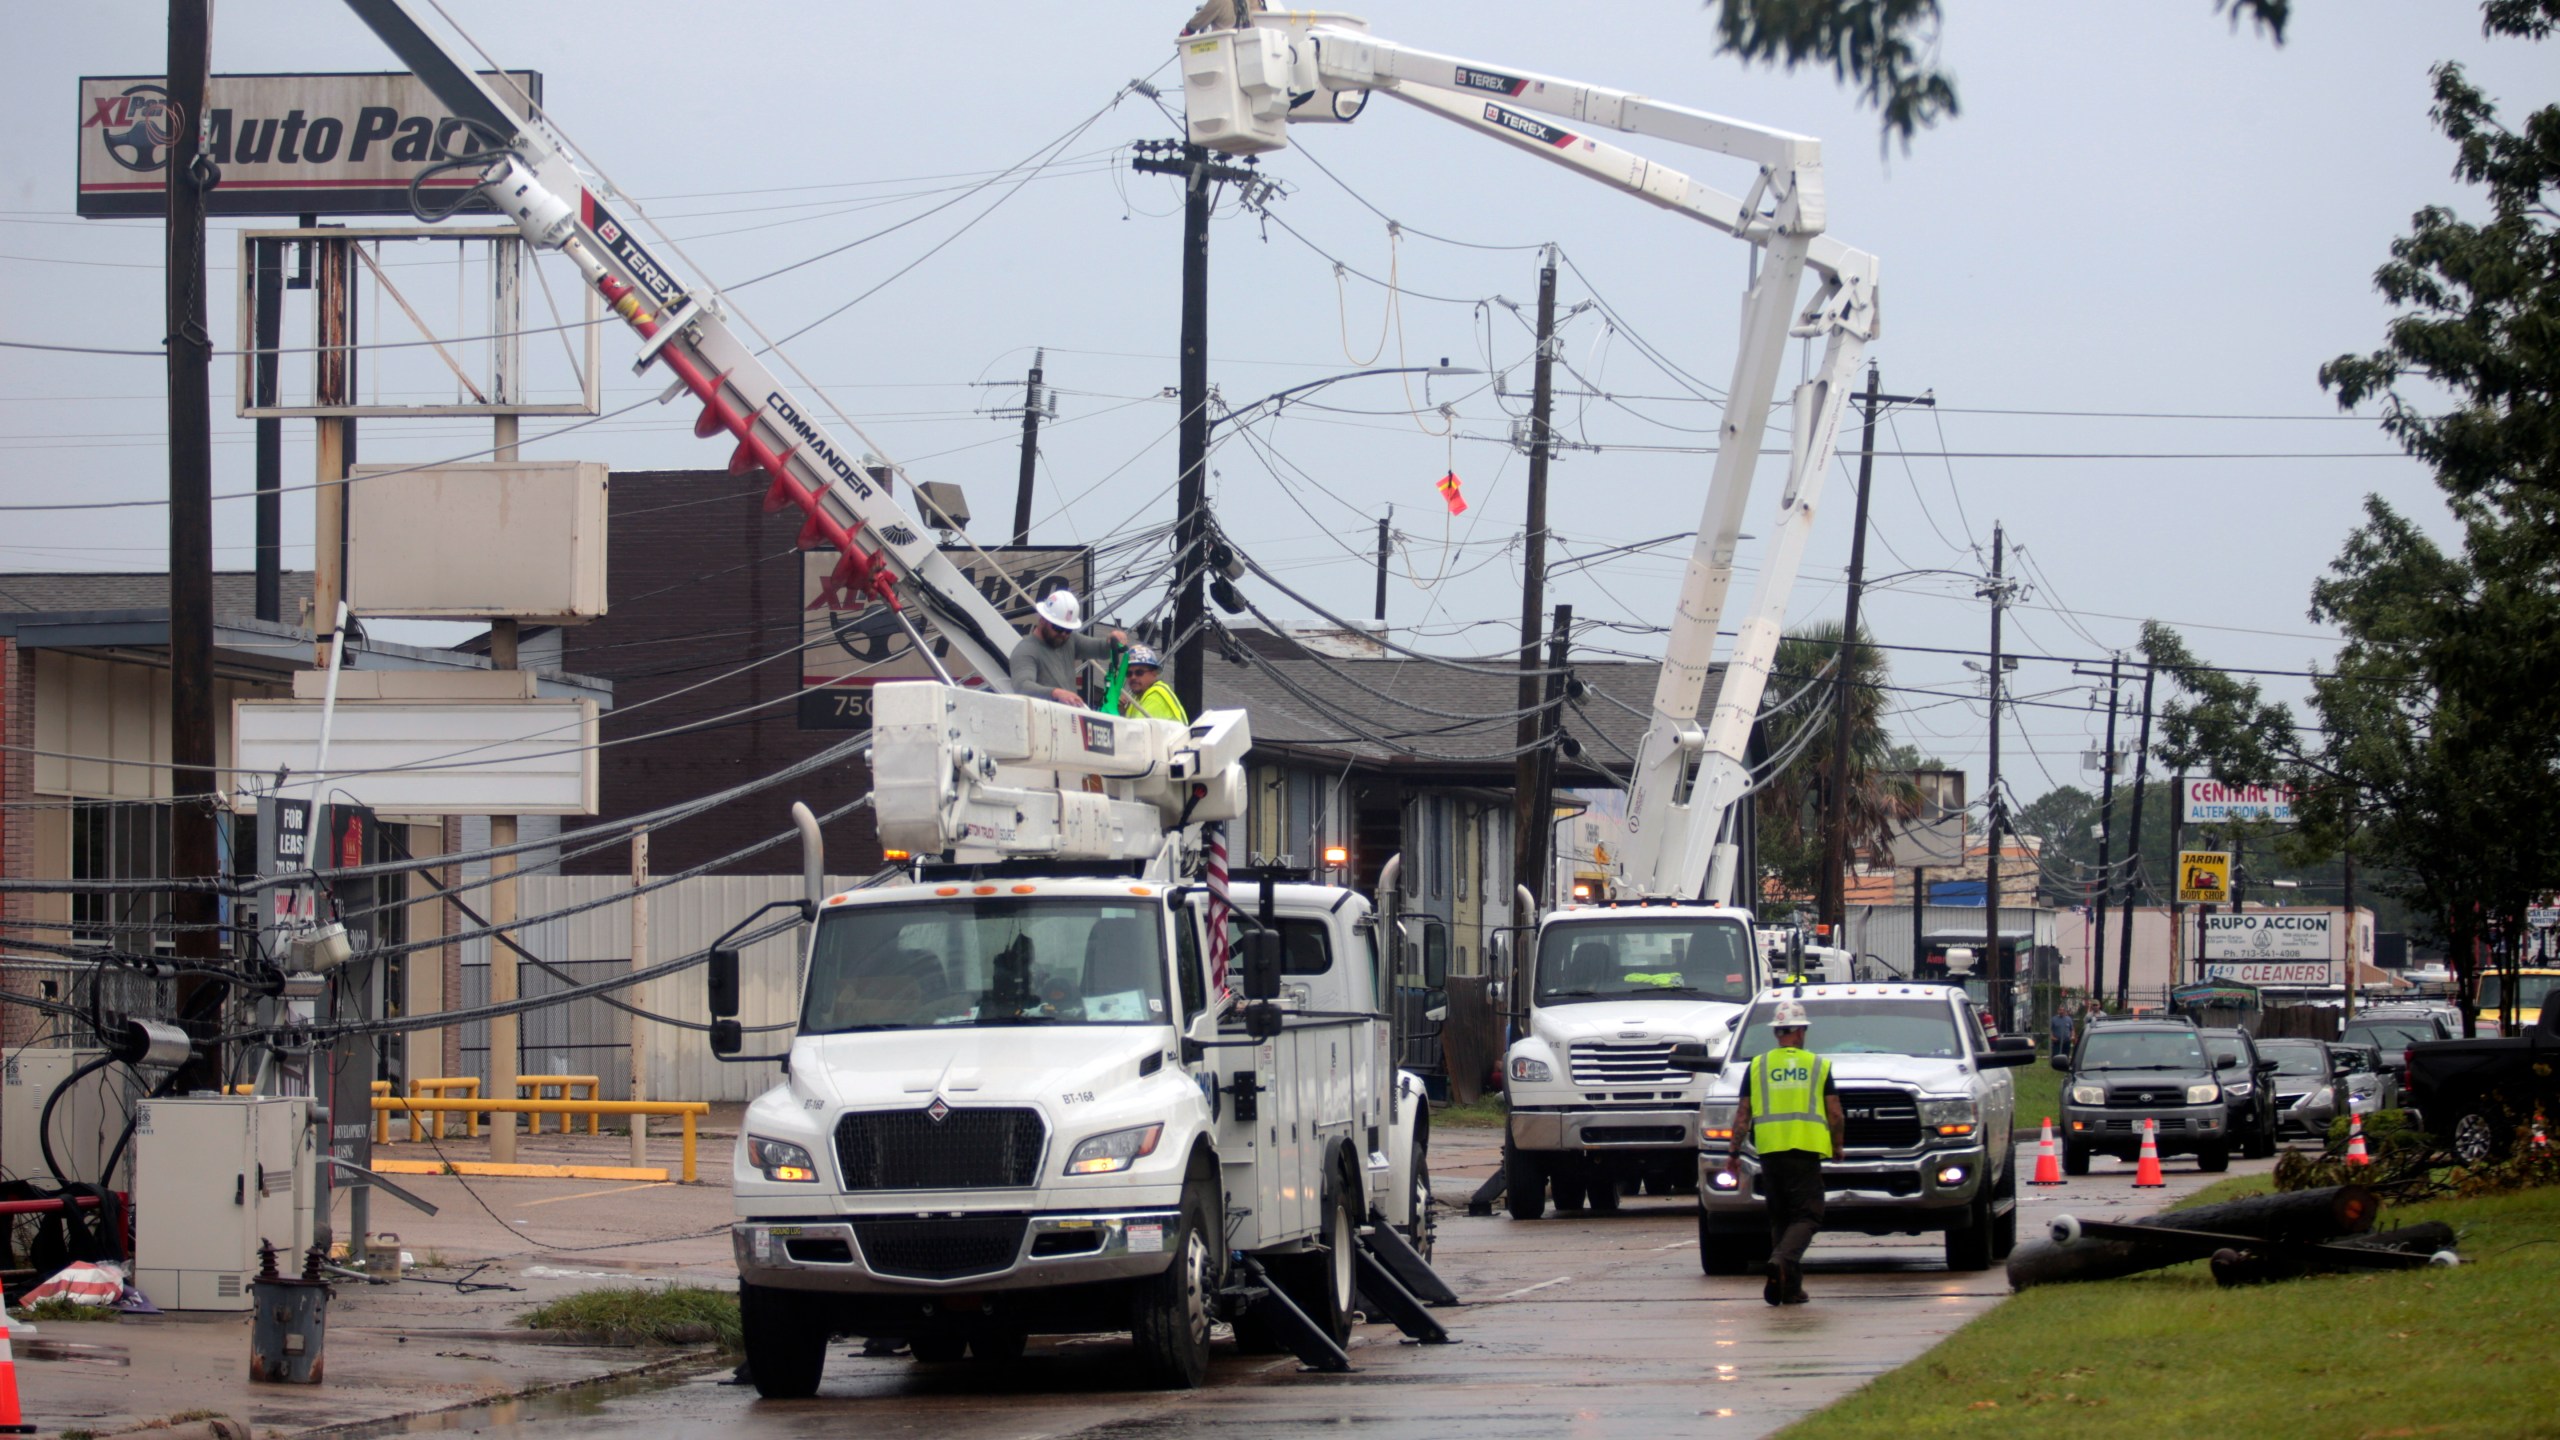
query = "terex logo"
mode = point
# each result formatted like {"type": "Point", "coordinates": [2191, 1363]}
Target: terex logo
{"type": "Point", "coordinates": [1469, 79]}
{"type": "Point", "coordinates": [1538, 130]}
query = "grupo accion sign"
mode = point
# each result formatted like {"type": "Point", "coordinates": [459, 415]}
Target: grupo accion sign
{"type": "Point", "coordinates": [338, 144]}
{"type": "Point", "coordinates": [2212, 800]}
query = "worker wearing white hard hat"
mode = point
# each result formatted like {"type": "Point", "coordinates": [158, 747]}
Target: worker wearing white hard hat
{"type": "Point", "coordinates": [1791, 1114]}
{"type": "Point", "coordinates": [1049, 661]}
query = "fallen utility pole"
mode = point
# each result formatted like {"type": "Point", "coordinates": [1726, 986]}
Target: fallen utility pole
{"type": "Point", "coordinates": [2088, 1250]}
{"type": "Point", "coordinates": [1832, 897]}
{"type": "Point", "coordinates": [1199, 175]}
{"type": "Point", "coordinates": [1530, 823]}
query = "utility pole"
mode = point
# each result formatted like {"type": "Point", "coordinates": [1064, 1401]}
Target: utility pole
{"type": "Point", "coordinates": [193, 851]}
{"type": "Point", "coordinates": [1832, 894]}
{"type": "Point", "coordinates": [2355, 942]}
{"type": "Point", "coordinates": [2004, 979]}
{"type": "Point", "coordinates": [2133, 847]}
{"type": "Point", "coordinates": [268, 286]}
{"type": "Point", "coordinates": [1551, 728]}
{"type": "Point", "coordinates": [1035, 401]}
{"type": "Point", "coordinates": [1532, 812]}
{"type": "Point", "coordinates": [1199, 174]}
{"type": "Point", "coordinates": [1383, 552]}
{"type": "Point", "coordinates": [2106, 820]}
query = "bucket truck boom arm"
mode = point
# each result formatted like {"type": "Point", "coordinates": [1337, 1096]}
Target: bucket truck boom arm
{"type": "Point", "coordinates": [885, 556]}
{"type": "Point", "coordinates": [1243, 87]}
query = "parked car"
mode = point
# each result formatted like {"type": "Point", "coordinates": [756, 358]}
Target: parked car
{"type": "Point", "coordinates": [2477, 1095]}
{"type": "Point", "coordinates": [2309, 1075]}
{"type": "Point", "coordinates": [2395, 1030]}
{"type": "Point", "coordinates": [2251, 1099]}
{"type": "Point", "coordinates": [2124, 1072]}
{"type": "Point", "coordinates": [2369, 1075]}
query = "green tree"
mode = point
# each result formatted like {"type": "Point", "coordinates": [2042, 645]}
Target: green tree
{"type": "Point", "coordinates": [1790, 806]}
{"type": "Point", "coordinates": [1887, 48]}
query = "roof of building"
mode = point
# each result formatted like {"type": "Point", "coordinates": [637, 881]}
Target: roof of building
{"type": "Point", "coordinates": [51, 592]}
{"type": "Point", "coordinates": [1408, 713]}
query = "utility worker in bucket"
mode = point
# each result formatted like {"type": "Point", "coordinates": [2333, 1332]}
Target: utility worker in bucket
{"type": "Point", "coordinates": [1147, 695]}
{"type": "Point", "coordinates": [1048, 662]}
{"type": "Point", "coordinates": [1792, 1114]}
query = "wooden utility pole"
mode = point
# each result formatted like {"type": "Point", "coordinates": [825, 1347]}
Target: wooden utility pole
{"type": "Point", "coordinates": [1200, 175]}
{"type": "Point", "coordinates": [2004, 976]}
{"type": "Point", "coordinates": [2133, 847]}
{"type": "Point", "coordinates": [639, 961]}
{"type": "Point", "coordinates": [505, 1031]}
{"type": "Point", "coordinates": [1383, 552]}
{"type": "Point", "coordinates": [267, 284]}
{"type": "Point", "coordinates": [1551, 730]}
{"type": "Point", "coordinates": [1033, 402]}
{"type": "Point", "coordinates": [193, 850]}
{"type": "Point", "coordinates": [2106, 823]}
{"type": "Point", "coordinates": [2355, 946]}
{"type": "Point", "coordinates": [1531, 810]}
{"type": "Point", "coordinates": [1832, 891]}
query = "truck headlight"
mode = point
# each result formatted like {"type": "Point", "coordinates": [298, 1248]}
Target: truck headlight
{"type": "Point", "coordinates": [1949, 1119]}
{"type": "Point", "coordinates": [1532, 1072]}
{"type": "Point", "coordinates": [2204, 1094]}
{"type": "Point", "coordinates": [1715, 1122]}
{"type": "Point", "coordinates": [1114, 1150]}
{"type": "Point", "coordinates": [2088, 1094]}
{"type": "Point", "coordinates": [781, 1160]}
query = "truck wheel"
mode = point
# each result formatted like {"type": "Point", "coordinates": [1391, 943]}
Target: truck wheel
{"type": "Point", "coordinates": [1724, 1250]}
{"type": "Point", "coordinates": [1171, 1324]}
{"type": "Point", "coordinates": [937, 1349]}
{"type": "Point", "coordinates": [2075, 1159]}
{"type": "Point", "coordinates": [997, 1347]}
{"type": "Point", "coordinates": [1602, 1192]}
{"type": "Point", "coordinates": [1565, 1180]}
{"type": "Point", "coordinates": [2480, 1135]}
{"type": "Point", "coordinates": [1524, 1184]}
{"type": "Point", "coordinates": [785, 1334]}
{"type": "Point", "coordinates": [2262, 1145]}
{"type": "Point", "coordinates": [1424, 1227]}
{"type": "Point", "coordinates": [2214, 1159]}
{"type": "Point", "coordinates": [2004, 1226]}
{"type": "Point", "coordinates": [1970, 1247]}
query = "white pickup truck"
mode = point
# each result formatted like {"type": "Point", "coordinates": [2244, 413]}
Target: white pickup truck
{"type": "Point", "coordinates": [1931, 1123]}
{"type": "Point", "coordinates": [1012, 1106]}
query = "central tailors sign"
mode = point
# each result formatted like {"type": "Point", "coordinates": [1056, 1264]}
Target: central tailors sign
{"type": "Point", "coordinates": [2211, 801]}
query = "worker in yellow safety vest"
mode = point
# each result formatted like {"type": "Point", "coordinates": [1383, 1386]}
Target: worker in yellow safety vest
{"type": "Point", "coordinates": [1791, 1114]}
{"type": "Point", "coordinates": [1147, 695]}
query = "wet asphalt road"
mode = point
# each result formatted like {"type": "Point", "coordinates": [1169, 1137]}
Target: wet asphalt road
{"type": "Point", "coordinates": [1582, 1325]}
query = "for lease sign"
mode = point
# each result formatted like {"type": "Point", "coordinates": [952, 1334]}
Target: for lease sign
{"type": "Point", "coordinates": [2269, 935]}
{"type": "Point", "coordinates": [2211, 800]}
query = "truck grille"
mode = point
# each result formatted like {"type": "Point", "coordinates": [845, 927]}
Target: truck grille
{"type": "Point", "coordinates": [2148, 1099]}
{"type": "Point", "coordinates": [941, 1249]}
{"type": "Point", "coordinates": [967, 1149]}
{"type": "Point", "coordinates": [1881, 1119]}
{"type": "Point", "coordinates": [1598, 1063]}
{"type": "Point", "coordinates": [1633, 1134]}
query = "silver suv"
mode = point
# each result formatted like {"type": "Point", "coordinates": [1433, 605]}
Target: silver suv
{"type": "Point", "coordinates": [1930, 1121]}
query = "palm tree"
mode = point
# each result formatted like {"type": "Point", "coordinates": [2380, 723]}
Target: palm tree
{"type": "Point", "coordinates": [1790, 810]}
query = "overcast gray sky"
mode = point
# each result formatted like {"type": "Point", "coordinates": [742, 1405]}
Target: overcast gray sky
{"type": "Point", "coordinates": [2142, 225]}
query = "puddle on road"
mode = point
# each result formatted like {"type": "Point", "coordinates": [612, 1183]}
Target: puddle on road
{"type": "Point", "coordinates": [566, 1403]}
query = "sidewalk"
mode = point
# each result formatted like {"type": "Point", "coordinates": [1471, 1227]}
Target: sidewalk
{"type": "Point", "coordinates": [416, 1345]}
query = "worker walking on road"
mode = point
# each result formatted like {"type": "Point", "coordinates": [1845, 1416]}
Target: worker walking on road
{"type": "Point", "coordinates": [1148, 696]}
{"type": "Point", "coordinates": [1791, 1112]}
{"type": "Point", "coordinates": [1049, 661]}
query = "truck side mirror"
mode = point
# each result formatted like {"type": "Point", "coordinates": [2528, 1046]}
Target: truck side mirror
{"type": "Point", "coordinates": [2062, 1062]}
{"type": "Point", "coordinates": [2226, 1062]}
{"type": "Point", "coordinates": [1262, 1019]}
{"type": "Point", "coordinates": [1262, 964]}
{"type": "Point", "coordinates": [727, 1038]}
{"type": "Point", "coordinates": [722, 976]}
{"type": "Point", "coordinates": [1696, 1059]}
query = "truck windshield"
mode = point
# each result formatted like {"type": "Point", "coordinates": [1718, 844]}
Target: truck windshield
{"type": "Point", "coordinates": [2142, 1050]}
{"type": "Point", "coordinates": [1864, 1027]}
{"type": "Point", "coordinates": [986, 962]}
{"type": "Point", "coordinates": [2533, 992]}
{"type": "Point", "coordinates": [1657, 957]}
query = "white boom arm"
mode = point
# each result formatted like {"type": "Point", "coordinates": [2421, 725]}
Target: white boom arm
{"type": "Point", "coordinates": [777, 435]}
{"type": "Point", "coordinates": [961, 771]}
{"type": "Point", "coordinates": [1243, 87]}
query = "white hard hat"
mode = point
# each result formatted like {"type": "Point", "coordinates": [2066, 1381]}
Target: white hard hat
{"type": "Point", "coordinates": [1059, 608]}
{"type": "Point", "coordinates": [1790, 1016]}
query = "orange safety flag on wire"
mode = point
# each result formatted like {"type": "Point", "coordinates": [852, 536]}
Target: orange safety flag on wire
{"type": "Point", "coordinates": [1451, 492]}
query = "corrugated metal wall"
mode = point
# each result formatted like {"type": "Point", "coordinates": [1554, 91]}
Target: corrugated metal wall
{"type": "Point", "coordinates": [1884, 931]}
{"type": "Point", "coordinates": [589, 1037]}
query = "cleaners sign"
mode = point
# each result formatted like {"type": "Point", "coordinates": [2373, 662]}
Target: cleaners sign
{"type": "Point", "coordinates": [284, 144]}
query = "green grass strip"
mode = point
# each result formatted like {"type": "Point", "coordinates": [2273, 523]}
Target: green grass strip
{"type": "Point", "coordinates": [638, 1315]}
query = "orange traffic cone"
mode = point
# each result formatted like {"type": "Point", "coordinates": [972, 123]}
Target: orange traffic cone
{"type": "Point", "coordinates": [11, 1422]}
{"type": "Point", "coordinates": [2355, 1143]}
{"type": "Point", "coordinates": [2146, 1171]}
{"type": "Point", "coordinates": [2541, 1137]}
{"type": "Point", "coordinates": [2048, 1165]}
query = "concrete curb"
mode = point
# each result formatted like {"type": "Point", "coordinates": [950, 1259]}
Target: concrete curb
{"type": "Point", "coordinates": [658, 1365]}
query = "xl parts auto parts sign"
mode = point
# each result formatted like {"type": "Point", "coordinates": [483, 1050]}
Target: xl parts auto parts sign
{"type": "Point", "coordinates": [336, 144]}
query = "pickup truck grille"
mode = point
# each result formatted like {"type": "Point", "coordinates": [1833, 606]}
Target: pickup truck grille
{"type": "Point", "coordinates": [1881, 1119]}
{"type": "Point", "coordinates": [967, 1149]}
{"type": "Point", "coordinates": [941, 1249]}
{"type": "Point", "coordinates": [1598, 1063]}
{"type": "Point", "coordinates": [2148, 1098]}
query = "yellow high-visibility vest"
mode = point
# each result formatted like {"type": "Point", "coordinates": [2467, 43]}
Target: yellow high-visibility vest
{"type": "Point", "coordinates": [1786, 1102]}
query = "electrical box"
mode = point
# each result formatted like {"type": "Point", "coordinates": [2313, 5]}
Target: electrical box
{"type": "Point", "coordinates": [475, 541]}
{"type": "Point", "coordinates": [85, 1123]}
{"type": "Point", "coordinates": [1235, 90]}
{"type": "Point", "coordinates": [213, 1176]}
